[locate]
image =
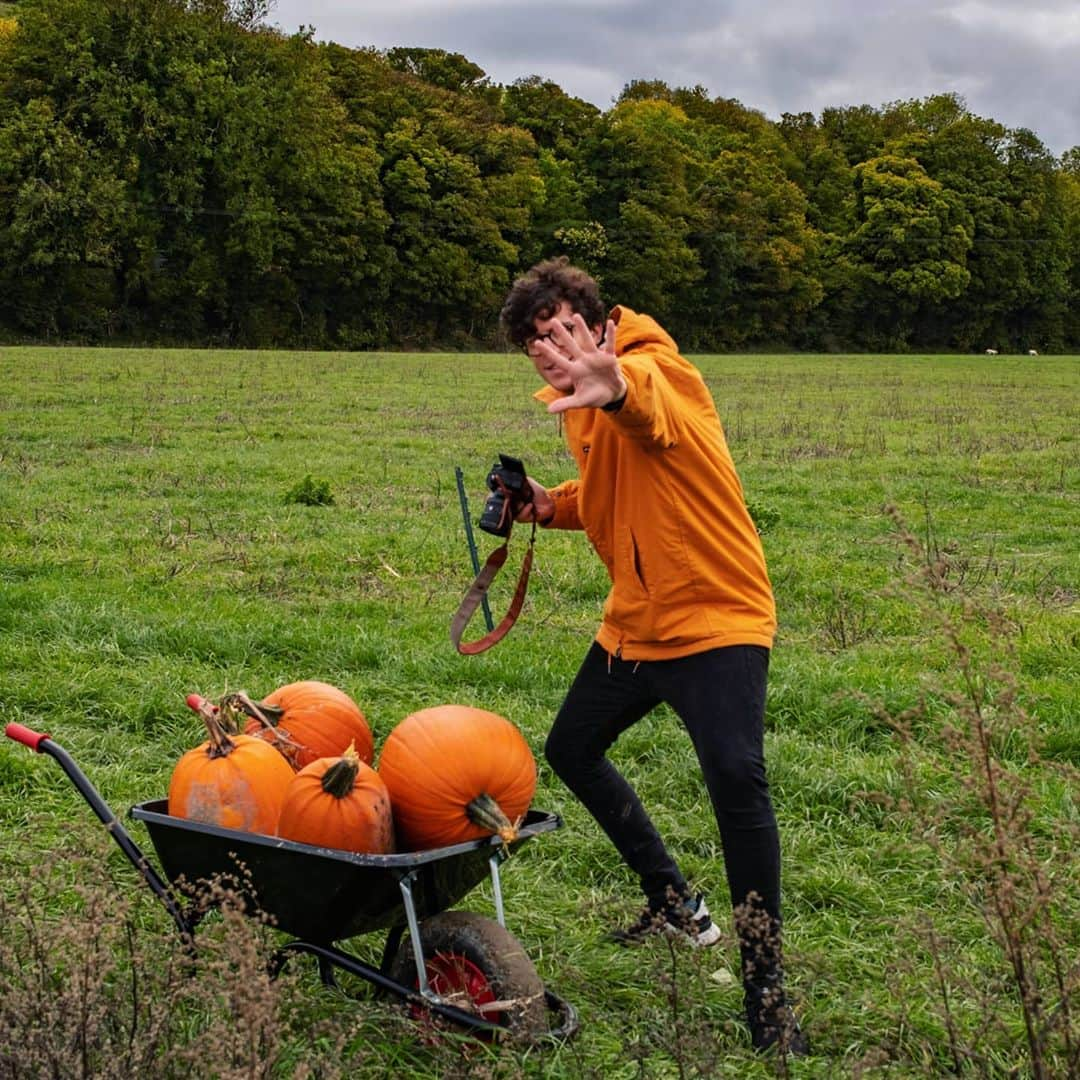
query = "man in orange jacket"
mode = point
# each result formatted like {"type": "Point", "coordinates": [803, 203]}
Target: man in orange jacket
{"type": "Point", "coordinates": [689, 620]}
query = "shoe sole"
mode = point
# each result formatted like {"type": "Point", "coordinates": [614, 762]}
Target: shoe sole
{"type": "Point", "coordinates": [702, 939]}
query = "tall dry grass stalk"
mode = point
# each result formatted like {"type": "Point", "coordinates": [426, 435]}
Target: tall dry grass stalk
{"type": "Point", "coordinates": [971, 762]}
{"type": "Point", "coordinates": [90, 986]}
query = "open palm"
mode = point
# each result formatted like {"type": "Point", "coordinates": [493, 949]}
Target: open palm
{"type": "Point", "coordinates": [592, 369]}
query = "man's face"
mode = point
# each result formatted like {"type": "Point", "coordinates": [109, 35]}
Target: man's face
{"type": "Point", "coordinates": [543, 328]}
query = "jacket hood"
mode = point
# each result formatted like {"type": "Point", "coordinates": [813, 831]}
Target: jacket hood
{"type": "Point", "coordinates": [635, 331]}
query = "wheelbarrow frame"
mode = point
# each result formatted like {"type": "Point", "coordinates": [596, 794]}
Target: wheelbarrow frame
{"type": "Point", "coordinates": [340, 894]}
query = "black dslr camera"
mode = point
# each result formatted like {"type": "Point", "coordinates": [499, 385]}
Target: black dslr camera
{"type": "Point", "coordinates": [506, 480]}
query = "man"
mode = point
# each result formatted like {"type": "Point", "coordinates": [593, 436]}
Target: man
{"type": "Point", "coordinates": [689, 620]}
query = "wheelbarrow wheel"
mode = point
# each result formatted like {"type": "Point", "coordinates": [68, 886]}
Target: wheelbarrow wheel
{"type": "Point", "coordinates": [479, 966]}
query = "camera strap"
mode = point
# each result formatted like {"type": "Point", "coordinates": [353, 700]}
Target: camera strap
{"type": "Point", "coordinates": [478, 590]}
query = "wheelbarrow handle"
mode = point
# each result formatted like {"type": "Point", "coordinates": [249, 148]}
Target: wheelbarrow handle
{"type": "Point", "coordinates": [44, 744]}
{"type": "Point", "coordinates": [21, 733]}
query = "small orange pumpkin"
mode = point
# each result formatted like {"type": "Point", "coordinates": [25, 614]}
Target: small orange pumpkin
{"type": "Point", "coordinates": [306, 721]}
{"type": "Point", "coordinates": [338, 802]}
{"type": "Point", "coordinates": [230, 780]}
{"type": "Point", "coordinates": [456, 773]}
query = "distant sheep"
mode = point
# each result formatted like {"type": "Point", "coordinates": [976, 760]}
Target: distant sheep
{"type": "Point", "coordinates": [991, 352]}
{"type": "Point", "coordinates": [1033, 352]}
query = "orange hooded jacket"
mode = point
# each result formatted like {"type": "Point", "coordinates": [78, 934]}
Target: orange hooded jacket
{"type": "Point", "coordinates": [659, 498]}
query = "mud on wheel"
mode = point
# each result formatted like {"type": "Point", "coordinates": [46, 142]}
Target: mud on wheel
{"type": "Point", "coordinates": [477, 965]}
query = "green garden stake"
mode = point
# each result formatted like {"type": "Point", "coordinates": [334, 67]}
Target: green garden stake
{"type": "Point", "coordinates": [463, 498]}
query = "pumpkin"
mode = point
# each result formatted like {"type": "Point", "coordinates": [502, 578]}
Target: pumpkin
{"type": "Point", "coordinates": [235, 781]}
{"type": "Point", "coordinates": [338, 802]}
{"type": "Point", "coordinates": [456, 773]}
{"type": "Point", "coordinates": [306, 721]}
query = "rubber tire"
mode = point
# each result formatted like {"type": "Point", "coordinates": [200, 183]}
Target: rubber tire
{"type": "Point", "coordinates": [498, 955]}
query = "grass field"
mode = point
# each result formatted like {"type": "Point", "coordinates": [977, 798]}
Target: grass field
{"type": "Point", "coordinates": [147, 550]}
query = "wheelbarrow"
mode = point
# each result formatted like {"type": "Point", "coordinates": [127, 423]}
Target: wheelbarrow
{"type": "Point", "coordinates": [458, 966]}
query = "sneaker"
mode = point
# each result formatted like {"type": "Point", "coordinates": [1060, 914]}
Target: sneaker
{"type": "Point", "coordinates": [773, 1024]}
{"type": "Point", "coordinates": [683, 917]}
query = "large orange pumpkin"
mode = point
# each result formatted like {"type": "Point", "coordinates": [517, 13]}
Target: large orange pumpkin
{"type": "Point", "coordinates": [455, 773]}
{"type": "Point", "coordinates": [306, 721]}
{"type": "Point", "coordinates": [338, 802]}
{"type": "Point", "coordinates": [235, 781]}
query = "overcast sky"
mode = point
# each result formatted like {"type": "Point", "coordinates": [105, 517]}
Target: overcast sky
{"type": "Point", "coordinates": [1012, 61]}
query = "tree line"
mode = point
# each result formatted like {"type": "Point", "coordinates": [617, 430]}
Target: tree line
{"type": "Point", "coordinates": [175, 172]}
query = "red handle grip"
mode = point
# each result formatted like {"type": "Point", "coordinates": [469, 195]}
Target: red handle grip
{"type": "Point", "coordinates": [21, 733]}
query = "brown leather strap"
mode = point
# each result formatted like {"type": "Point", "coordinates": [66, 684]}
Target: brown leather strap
{"type": "Point", "coordinates": [476, 593]}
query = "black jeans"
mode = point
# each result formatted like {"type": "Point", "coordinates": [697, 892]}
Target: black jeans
{"type": "Point", "coordinates": [720, 697]}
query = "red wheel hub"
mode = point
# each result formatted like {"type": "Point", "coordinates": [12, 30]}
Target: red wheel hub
{"type": "Point", "coordinates": [451, 975]}
{"type": "Point", "coordinates": [462, 983]}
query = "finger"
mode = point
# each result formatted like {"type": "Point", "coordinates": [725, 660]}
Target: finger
{"type": "Point", "coordinates": [609, 337]}
{"type": "Point", "coordinates": [555, 356]}
{"type": "Point", "coordinates": [585, 335]}
{"type": "Point", "coordinates": [579, 399]}
{"type": "Point", "coordinates": [564, 337]}
{"type": "Point", "coordinates": [562, 404]}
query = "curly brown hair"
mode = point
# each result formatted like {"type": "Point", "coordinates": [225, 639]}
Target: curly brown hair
{"type": "Point", "coordinates": [537, 294]}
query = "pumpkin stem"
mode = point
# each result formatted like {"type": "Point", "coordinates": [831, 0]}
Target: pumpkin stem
{"type": "Point", "coordinates": [239, 704]}
{"type": "Point", "coordinates": [220, 743]}
{"type": "Point", "coordinates": [486, 813]}
{"type": "Point", "coordinates": [339, 779]}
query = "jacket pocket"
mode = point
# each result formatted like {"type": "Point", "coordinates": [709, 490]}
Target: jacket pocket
{"type": "Point", "coordinates": [631, 564]}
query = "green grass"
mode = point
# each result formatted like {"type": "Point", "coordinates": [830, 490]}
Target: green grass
{"type": "Point", "coordinates": [149, 548]}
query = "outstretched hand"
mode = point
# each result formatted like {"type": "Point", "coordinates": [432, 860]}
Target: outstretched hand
{"type": "Point", "coordinates": [593, 369]}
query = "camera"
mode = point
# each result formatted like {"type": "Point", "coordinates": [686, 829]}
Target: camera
{"type": "Point", "coordinates": [506, 481]}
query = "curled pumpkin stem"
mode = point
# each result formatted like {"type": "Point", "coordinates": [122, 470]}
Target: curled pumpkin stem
{"type": "Point", "coordinates": [486, 813]}
{"type": "Point", "coordinates": [240, 704]}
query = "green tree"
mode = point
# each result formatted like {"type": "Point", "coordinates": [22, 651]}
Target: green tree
{"type": "Point", "coordinates": [1018, 263]}
{"type": "Point", "coordinates": [446, 70]}
{"type": "Point", "coordinates": [1039, 310]}
{"type": "Point", "coordinates": [908, 249]}
{"type": "Point", "coordinates": [64, 207]}
{"type": "Point", "coordinates": [223, 143]}
{"type": "Point", "coordinates": [557, 121]}
{"type": "Point", "coordinates": [644, 155]}
{"type": "Point", "coordinates": [173, 169]}
{"type": "Point", "coordinates": [822, 172]}
{"type": "Point", "coordinates": [757, 253]}
{"type": "Point", "coordinates": [460, 187]}
{"type": "Point", "coordinates": [857, 131]}
{"type": "Point", "coordinates": [1070, 215]}
{"type": "Point", "coordinates": [561, 126]}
